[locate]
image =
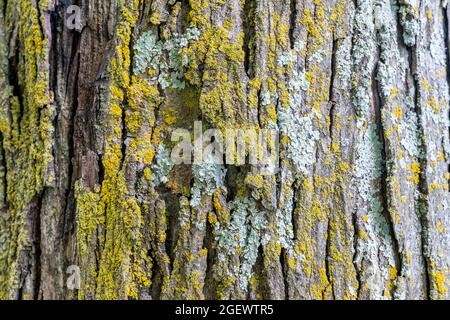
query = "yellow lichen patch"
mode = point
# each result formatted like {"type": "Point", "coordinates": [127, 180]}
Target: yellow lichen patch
{"type": "Point", "coordinates": [123, 261]}
{"type": "Point", "coordinates": [434, 105]}
{"type": "Point", "coordinates": [148, 174]}
{"type": "Point", "coordinates": [219, 52]}
{"type": "Point", "coordinates": [363, 235]}
{"type": "Point", "coordinates": [155, 18]}
{"type": "Point", "coordinates": [292, 263]}
{"type": "Point", "coordinates": [441, 155]}
{"type": "Point", "coordinates": [393, 273]}
{"type": "Point", "coordinates": [392, 283]}
{"type": "Point", "coordinates": [308, 22]}
{"type": "Point", "coordinates": [414, 168]}
{"type": "Point", "coordinates": [322, 290]}
{"type": "Point", "coordinates": [435, 185]}
{"type": "Point", "coordinates": [440, 228]}
{"type": "Point", "coordinates": [116, 111]}
{"type": "Point", "coordinates": [398, 112]}
{"type": "Point", "coordinates": [256, 181]}
{"type": "Point", "coordinates": [212, 218]}
{"type": "Point", "coordinates": [27, 130]}
{"type": "Point", "coordinates": [439, 280]}
{"type": "Point", "coordinates": [222, 213]}
{"type": "Point", "coordinates": [426, 85]}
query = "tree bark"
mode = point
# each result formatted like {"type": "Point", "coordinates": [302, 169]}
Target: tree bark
{"type": "Point", "coordinates": [357, 89]}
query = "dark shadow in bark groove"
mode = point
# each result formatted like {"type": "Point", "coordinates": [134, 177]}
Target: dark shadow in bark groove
{"type": "Point", "coordinates": [157, 277]}
{"type": "Point", "coordinates": [327, 259]}
{"type": "Point", "coordinates": [13, 77]}
{"type": "Point", "coordinates": [36, 220]}
{"type": "Point", "coordinates": [258, 270]}
{"type": "Point", "coordinates": [446, 13]}
{"type": "Point", "coordinates": [384, 188]}
{"type": "Point", "coordinates": [209, 289]}
{"type": "Point", "coordinates": [172, 209]}
{"type": "Point", "coordinates": [231, 182]}
{"type": "Point", "coordinates": [285, 270]}
{"type": "Point", "coordinates": [248, 21]}
{"type": "Point", "coordinates": [355, 253]}
{"type": "Point", "coordinates": [331, 87]}
{"type": "Point", "coordinates": [422, 203]}
{"type": "Point", "coordinates": [293, 22]}
{"type": "Point", "coordinates": [4, 182]}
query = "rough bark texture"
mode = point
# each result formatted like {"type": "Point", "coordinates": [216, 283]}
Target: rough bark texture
{"type": "Point", "coordinates": [359, 90]}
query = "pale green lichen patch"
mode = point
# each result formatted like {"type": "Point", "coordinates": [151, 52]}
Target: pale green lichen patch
{"type": "Point", "coordinates": [369, 162]}
{"type": "Point", "coordinates": [166, 56]}
{"type": "Point", "coordinates": [376, 239]}
{"type": "Point", "coordinates": [162, 166]}
{"type": "Point", "coordinates": [208, 178]}
{"type": "Point", "coordinates": [408, 131]}
{"type": "Point", "coordinates": [241, 237]}
{"type": "Point", "coordinates": [303, 136]}
{"type": "Point", "coordinates": [285, 230]}
{"type": "Point", "coordinates": [409, 20]}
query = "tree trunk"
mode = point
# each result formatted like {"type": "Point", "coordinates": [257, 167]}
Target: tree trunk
{"type": "Point", "coordinates": [94, 207]}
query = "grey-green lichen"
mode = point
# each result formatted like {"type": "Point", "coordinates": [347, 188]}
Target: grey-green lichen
{"type": "Point", "coordinates": [376, 239]}
{"type": "Point", "coordinates": [408, 129]}
{"type": "Point", "coordinates": [363, 58]}
{"type": "Point", "coordinates": [208, 178]}
{"type": "Point", "coordinates": [386, 39]}
{"type": "Point", "coordinates": [284, 214]}
{"type": "Point", "coordinates": [164, 55]}
{"type": "Point", "coordinates": [369, 163]}
{"type": "Point", "coordinates": [162, 166]}
{"type": "Point", "coordinates": [242, 237]}
{"type": "Point", "coordinates": [299, 128]}
{"type": "Point", "coordinates": [303, 136]}
{"type": "Point", "coordinates": [409, 20]}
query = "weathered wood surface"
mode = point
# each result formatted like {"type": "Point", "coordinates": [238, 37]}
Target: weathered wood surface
{"type": "Point", "coordinates": [359, 90]}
